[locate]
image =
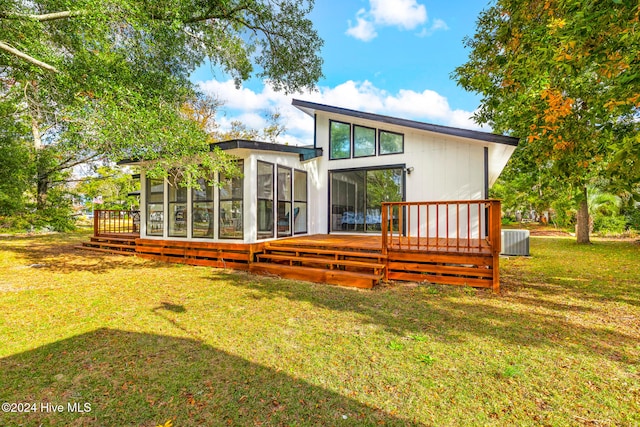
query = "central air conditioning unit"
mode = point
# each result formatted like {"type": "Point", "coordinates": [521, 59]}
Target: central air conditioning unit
{"type": "Point", "coordinates": [515, 242]}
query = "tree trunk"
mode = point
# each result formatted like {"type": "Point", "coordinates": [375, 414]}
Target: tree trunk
{"type": "Point", "coordinates": [582, 226]}
{"type": "Point", "coordinates": [42, 178]}
{"type": "Point", "coordinates": [43, 189]}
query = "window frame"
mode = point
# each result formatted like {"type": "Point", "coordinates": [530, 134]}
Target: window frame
{"type": "Point", "coordinates": [148, 203]}
{"type": "Point", "coordinates": [380, 132]}
{"type": "Point", "coordinates": [231, 199]}
{"type": "Point", "coordinates": [284, 200]}
{"type": "Point", "coordinates": [210, 201]}
{"type": "Point", "coordinates": [353, 141]}
{"type": "Point", "coordinates": [298, 202]}
{"type": "Point", "coordinates": [172, 204]}
{"type": "Point", "coordinates": [263, 234]}
{"type": "Point", "coordinates": [331, 122]}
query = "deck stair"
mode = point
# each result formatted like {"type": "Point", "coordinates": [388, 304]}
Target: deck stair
{"type": "Point", "coordinates": [349, 266]}
{"type": "Point", "coordinates": [121, 245]}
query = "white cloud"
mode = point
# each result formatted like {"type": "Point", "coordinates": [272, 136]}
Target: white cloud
{"type": "Point", "coordinates": [407, 14]}
{"type": "Point", "coordinates": [437, 24]}
{"type": "Point", "coordinates": [404, 14]}
{"type": "Point", "coordinates": [364, 30]}
{"type": "Point", "coordinates": [249, 106]}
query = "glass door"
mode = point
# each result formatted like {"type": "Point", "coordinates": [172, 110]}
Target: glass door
{"type": "Point", "coordinates": [357, 196]}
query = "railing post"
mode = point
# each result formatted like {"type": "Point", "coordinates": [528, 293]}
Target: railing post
{"type": "Point", "coordinates": [495, 221]}
{"type": "Point", "coordinates": [385, 218]}
{"type": "Point", "coordinates": [96, 223]}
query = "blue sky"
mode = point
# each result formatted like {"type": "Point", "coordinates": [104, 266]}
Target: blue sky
{"type": "Point", "coordinates": [391, 57]}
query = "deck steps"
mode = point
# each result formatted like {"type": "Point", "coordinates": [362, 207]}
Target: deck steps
{"type": "Point", "coordinates": [451, 269]}
{"type": "Point", "coordinates": [220, 255]}
{"type": "Point", "coordinates": [109, 244]}
{"type": "Point", "coordinates": [355, 267]}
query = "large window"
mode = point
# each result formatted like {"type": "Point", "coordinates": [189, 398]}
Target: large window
{"type": "Point", "coordinates": [357, 196]}
{"type": "Point", "coordinates": [351, 141]}
{"type": "Point", "coordinates": [155, 207]}
{"type": "Point", "coordinates": [299, 202]}
{"type": "Point", "coordinates": [202, 210]}
{"type": "Point", "coordinates": [177, 210]}
{"type": "Point", "coordinates": [339, 140]}
{"type": "Point", "coordinates": [391, 142]}
{"type": "Point", "coordinates": [284, 201]}
{"type": "Point", "coordinates": [265, 200]}
{"type": "Point", "coordinates": [231, 206]}
{"type": "Point", "coordinates": [364, 141]}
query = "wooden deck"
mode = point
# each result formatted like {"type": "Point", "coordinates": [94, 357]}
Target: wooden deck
{"type": "Point", "coordinates": [355, 260]}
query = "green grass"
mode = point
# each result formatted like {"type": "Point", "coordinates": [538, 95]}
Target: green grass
{"type": "Point", "coordinates": [145, 342]}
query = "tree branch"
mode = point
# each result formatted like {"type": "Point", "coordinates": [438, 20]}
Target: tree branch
{"type": "Point", "coordinates": [43, 18]}
{"type": "Point", "coordinates": [30, 59]}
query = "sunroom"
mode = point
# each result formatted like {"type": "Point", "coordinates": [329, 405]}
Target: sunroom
{"type": "Point", "coordinates": [269, 200]}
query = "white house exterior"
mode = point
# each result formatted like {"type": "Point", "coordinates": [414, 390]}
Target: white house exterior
{"type": "Point", "coordinates": [335, 185]}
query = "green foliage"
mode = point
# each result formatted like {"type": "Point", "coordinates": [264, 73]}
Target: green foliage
{"type": "Point", "coordinates": [118, 89]}
{"type": "Point", "coordinates": [112, 186]}
{"type": "Point", "coordinates": [610, 224]}
{"type": "Point", "coordinates": [395, 345]}
{"type": "Point", "coordinates": [57, 214]}
{"type": "Point", "coordinates": [104, 79]}
{"type": "Point", "coordinates": [564, 77]}
{"type": "Point", "coordinates": [632, 217]}
{"type": "Point", "coordinates": [427, 359]}
{"type": "Point", "coordinates": [16, 171]}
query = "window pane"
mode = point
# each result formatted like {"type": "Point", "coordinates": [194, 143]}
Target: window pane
{"type": "Point", "coordinates": [300, 217]}
{"type": "Point", "coordinates": [284, 219]}
{"type": "Point", "coordinates": [177, 220]}
{"type": "Point", "coordinates": [231, 206]}
{"type": "Point", "coordinates": [231, 188]}
{"type": "Point", "coordinates": [265, 180]}
{"type": "Point", "coordinates": [177, 193]}
{"type": "Point", "coordinates": [202, 191]}
{"type": "Point", "coordinates": [284, 183]}
{"type": "Point", "coordinates": [265, 218]}
{"type": "Point", "coordinates": [155, 219]}
{"type": "Point", "coordinates": [155, 190]}
{"type": "Point", "coordinates": [391, 142]}
{"type": "Point", "coordinates": [340, 140]}
{"type": "Point", "coordinates": [202, 220]}
{"type": "Point", "coordinates": [384, 185]}
{"type": "Point", "coordinates": [364, 141]}
{"type": "Point", "coordinates": [231, 220]}
{"type": "Point", "coordinates": [348, 200]}
{"type": "Point", "coordinates": [300, 186]}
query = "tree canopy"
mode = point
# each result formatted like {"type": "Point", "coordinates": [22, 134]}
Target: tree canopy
{"type": "Point", "coordinates": [563, 75]}
{"type": "Point", "coordinates": [110, 78]}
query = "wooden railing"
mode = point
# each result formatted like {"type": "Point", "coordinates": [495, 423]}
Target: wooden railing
{"type": "Point", "coordinates": [471, 226]}
{"type": "Point", "coordinates": [109, 222]}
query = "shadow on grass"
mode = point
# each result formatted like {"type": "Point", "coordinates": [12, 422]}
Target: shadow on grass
{"type": "Point", "coordinates": [144, 380]}
{"type": "Point", "coordinates": [449, 315]}
{"type": "Point", "coordinates": [59, 253]}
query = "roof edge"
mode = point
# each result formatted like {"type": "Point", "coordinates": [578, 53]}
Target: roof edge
{"type": "Point", "coordinates": [308, 108]}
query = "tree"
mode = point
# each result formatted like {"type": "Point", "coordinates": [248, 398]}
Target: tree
{"type": "Point", "coordinates": [111, 186]}
{"type": "Point", "coordinates": [564, 75]}
{"type": "Point", "coordinates": [108, 79]}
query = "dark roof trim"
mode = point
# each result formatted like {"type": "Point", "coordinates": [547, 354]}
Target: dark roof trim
{"type": "Point", "coordinates": [305, 153]}
{"type": "Point", "coordinates": [311, 107]}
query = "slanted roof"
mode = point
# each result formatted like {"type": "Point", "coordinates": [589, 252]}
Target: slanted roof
{"type": "Point", "coordinates": [311, 107]}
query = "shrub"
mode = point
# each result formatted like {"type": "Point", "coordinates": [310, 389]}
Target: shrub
{"type": "Point", "coordinates": [609, 224]}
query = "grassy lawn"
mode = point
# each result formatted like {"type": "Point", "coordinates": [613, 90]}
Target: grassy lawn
{"type": "Point", "coordinates": [142, 343]}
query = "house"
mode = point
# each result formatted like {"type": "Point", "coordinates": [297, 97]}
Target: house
{"type": "Point", "coordinates": [390, 184]}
